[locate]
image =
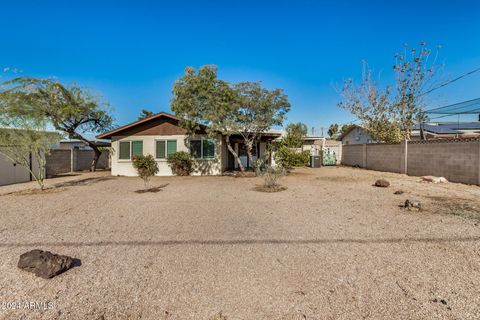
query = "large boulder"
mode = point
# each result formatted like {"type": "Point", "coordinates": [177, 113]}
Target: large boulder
{"type": "Point", "coordinates": [45, 264]}
{"type": "Point", "coordinates": [382, 183]}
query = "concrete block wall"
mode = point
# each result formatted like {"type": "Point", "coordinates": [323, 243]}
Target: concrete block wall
{"type": "Point", "coordinates": [384, 157]}
{"type": "Point", "coordinates": [457, 160]}
{"type": "Point", "coordinates": [83, 160]}
{"type": "Point", "coordinates": [352, 155]}
{"type": "Point", "coordinates": [67, 160]}
{"type": "Point", "coordinates": [57, 162]}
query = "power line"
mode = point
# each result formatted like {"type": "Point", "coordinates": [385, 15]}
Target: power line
{"type": "Point", "coordinates": [456, 106]}
{"type": "Point", "coordinates": [449, 82]}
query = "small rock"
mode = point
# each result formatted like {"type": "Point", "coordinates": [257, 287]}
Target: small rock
{"type": "Point", "coordinates": [398, 192]}
{"type": "Point", "coordinates": [382, 183]}
{"type": "Point", "coordinates": [45, 264]}
{"type": "Point", "coordinates": [412, 205]}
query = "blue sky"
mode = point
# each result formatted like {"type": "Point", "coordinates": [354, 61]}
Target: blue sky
{"type": "Point", "coordinates": [132, 52]}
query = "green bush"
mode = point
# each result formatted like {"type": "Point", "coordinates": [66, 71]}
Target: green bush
{"type": "Point", "coordinates": [288, 157]}
{"type": "Point", "coordinates": [181, 163]}
{"type": "Point", "coordinates": [146, 167]}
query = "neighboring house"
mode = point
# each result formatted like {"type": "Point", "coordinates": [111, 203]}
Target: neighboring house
{"type": "Point", "coordinates": [447, 130]}
{"type": "Point", "coordinates": [313, 144]}
{"type": "Point", "coordinates": [161, 135]}
{"type": "Point", "coordinates": [356, 135]}
{"type": "Point", "coordinates": [78, 144]}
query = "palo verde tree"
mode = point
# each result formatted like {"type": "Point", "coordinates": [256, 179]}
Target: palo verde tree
{"type": "Point", "coordinates": [389, 113]}
{"type": "Point", "coordinates": [71, 109]}
{"type": "Point", "coordinates": [259, 109]}
{"type": "Point", "coordinates": [24, 141]}
{"type": "Point", "coordinates": [202, 101]}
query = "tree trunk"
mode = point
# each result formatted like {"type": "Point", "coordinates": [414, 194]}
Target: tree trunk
{"type": "Point", "coordinates": [235, 155]}
{"type": "Point", "coordinates": [97, 155]}
{"type": "Point", "coordinates": [92, 145]}
{"type": "Point", "coordinates": [249, 154]}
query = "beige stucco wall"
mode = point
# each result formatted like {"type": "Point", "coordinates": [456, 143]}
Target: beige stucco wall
{"type": "Point", "coordinates": [201, 167]}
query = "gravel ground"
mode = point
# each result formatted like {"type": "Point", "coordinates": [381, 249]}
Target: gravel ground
{"type": "Point", "coordinates": [331, 246]}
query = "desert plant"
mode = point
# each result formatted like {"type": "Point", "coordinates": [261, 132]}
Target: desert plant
{"type": "Point", "coordinates": [22, 145]}
{"type": "Point", "coordinates": [289, 157]}
{"type": "Point", "coordinates": [272, 176]}
{"type": "Point", "coordinates": [146, 167]}
{"type": "Point", "coordinates": [181, 163]}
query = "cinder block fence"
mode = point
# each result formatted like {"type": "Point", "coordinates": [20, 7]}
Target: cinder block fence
{"type": "Point", "coordinates": [458, 160]}
{"type": "Point", "coordinates": [70, 160]}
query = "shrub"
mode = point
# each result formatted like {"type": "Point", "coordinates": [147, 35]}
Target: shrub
{"type": "Point", "coordinates": [271, 177]}
{"type": "Point", "coordinates": [146, 167]}
{"type": "Point", "coordinates": [288, 157]}
{"type": "Point", "coordinates": [181, 163]}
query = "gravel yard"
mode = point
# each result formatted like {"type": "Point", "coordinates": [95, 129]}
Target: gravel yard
{"type": "Point", "coordinates": [331, 246]}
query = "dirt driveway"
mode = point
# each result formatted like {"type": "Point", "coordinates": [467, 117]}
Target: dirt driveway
{"type": "Point", "coordinates": [331, 246]}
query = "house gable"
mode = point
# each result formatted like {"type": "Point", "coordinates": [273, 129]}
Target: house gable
{"type": "Point", "coordinates": [162, 124]}
{"type": "Point", "coordinates": [158, 127]}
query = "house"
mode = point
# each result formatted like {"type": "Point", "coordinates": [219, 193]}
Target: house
{"type": "Point", "coordinates": [356, 135]}
{"type": "Point", "coordinates": [161, 135]}
{"type": "Point", "coordinates": [80, 145]}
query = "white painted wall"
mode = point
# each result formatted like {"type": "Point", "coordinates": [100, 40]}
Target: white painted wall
{"type": "Point", "coordinates": [201, 167]}
{"type": "Point", "coordinates": [11, 173]}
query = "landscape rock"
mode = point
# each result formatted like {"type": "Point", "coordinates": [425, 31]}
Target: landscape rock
{"type": "Point", "coordinates": [399, 192]}
{"type": "Point", "coordinates": [382, 183]}
{"type": "Point", "coordinates": [412, 205]}
{"type": "Point", "coordinates": [434, 179]}
{"type": "Point", "coordinates": [45, 264]}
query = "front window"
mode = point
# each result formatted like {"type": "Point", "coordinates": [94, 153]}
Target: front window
{"type": "Point", "coordinates": [137, 148]}
{"type": "Point", "coordinates": [129, 149]}
{"type": "Point", "coordinates": [164, 148]}
{"type": "Point", "coordinates": [202, 149]}
{"type": "Point", "coordinates": [124, 153]}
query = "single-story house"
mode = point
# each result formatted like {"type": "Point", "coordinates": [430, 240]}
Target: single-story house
{"type": "Point", "coordinates": [356, 135]}
{"type": "Point", "coordinates": [161, 135]}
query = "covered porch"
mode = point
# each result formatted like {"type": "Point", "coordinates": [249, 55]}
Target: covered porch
{"type": "Point", "coordinates": [258, 152]}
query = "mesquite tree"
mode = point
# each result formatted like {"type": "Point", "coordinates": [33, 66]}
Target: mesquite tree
{"type": "Point", "coordinates": [201, 100]}
{"type": "Point", "coordinates": [71, 109]}
{"type": "Point", "coordinates": [259, 109]}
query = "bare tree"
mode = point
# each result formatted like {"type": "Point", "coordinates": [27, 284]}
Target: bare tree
{"type": "Point", "coordinates": [389, 115]}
